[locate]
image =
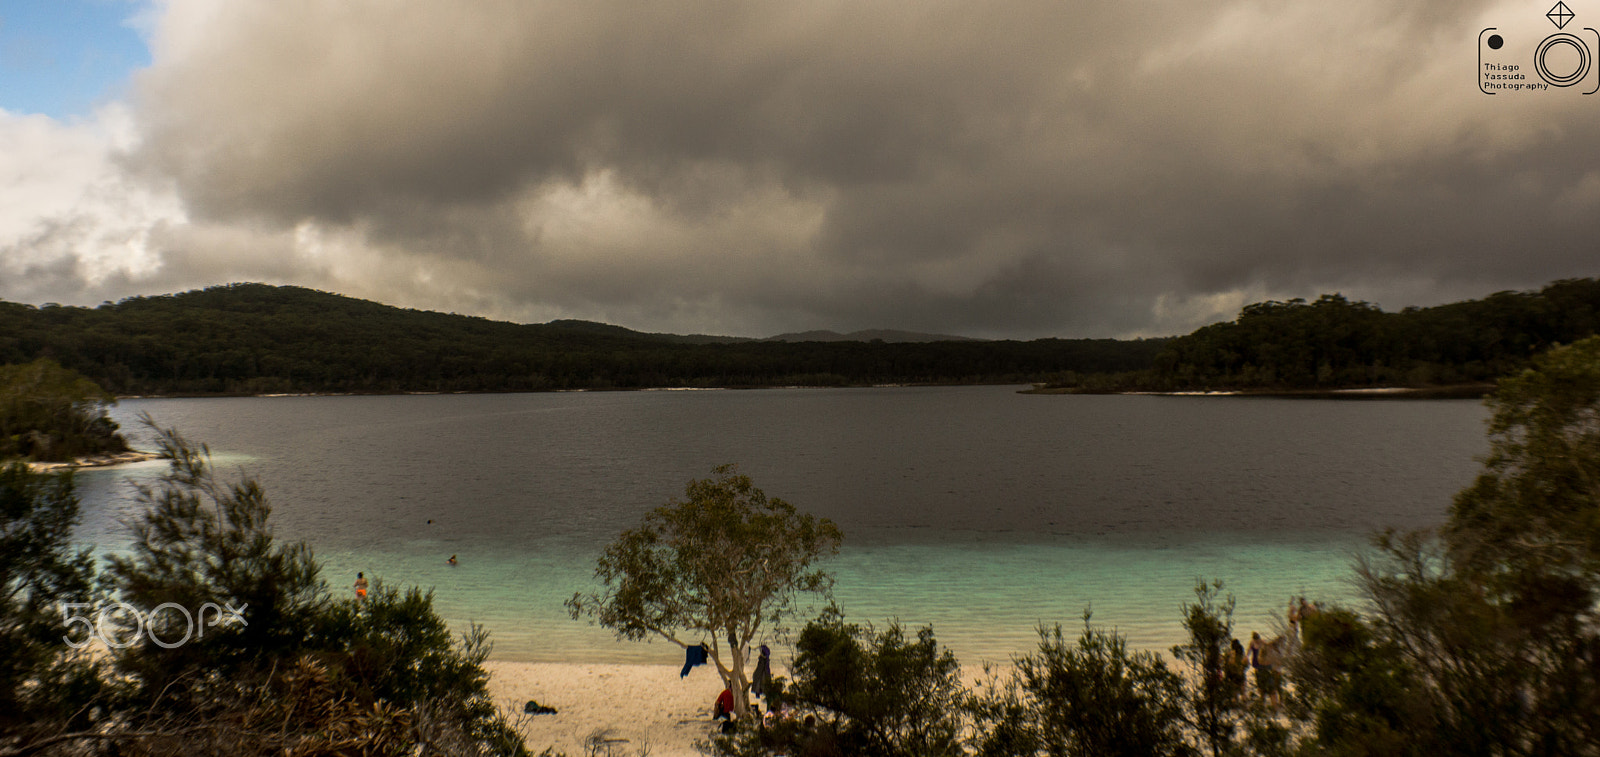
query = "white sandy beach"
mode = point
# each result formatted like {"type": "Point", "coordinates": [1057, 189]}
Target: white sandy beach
{"type": "Point", "coordinates": [641, 705]}
{"type": "Point", "coordinates": [648, 705]}
{"type": "Point", "coordinates": [95, 461]}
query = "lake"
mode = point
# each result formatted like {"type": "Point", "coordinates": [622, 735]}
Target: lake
{"type": "Point", "coordinates": [979, 510]}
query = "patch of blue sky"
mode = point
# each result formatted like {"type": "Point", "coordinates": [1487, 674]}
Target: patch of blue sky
{"type": "Point", "coordinates": [63, 58]}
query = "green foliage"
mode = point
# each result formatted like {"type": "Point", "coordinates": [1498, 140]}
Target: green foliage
{"type": "Point", "coordinates": [876, 694]}
{"type": "Point", "coordinates": [49, 413]}
{"type": "Point", "coordinates": [39, 573]}
{"type": "Point", "coordinates": [1091, 698]}
{"type": "Point", "coordinates": [1358, 688]}
{"type": "Point", "coordinates": [723, 564]}
{"type": "Point", "coordinates": [1335, 343]}
{"type": "Point", "coordinates": [1487, 641]}
{"type": "Point", "coordinates": [204, 542]}
{"type": "Point", "coordinates": [1526, 538]}
{"type": "Point", "coordinates": [1481, 678]}
{"type": "Point", "coordinates": [1215, 705]}
{"type": "Point", "coordinates": [1535, 508]}
{"type": "Point", "coordinates": [254, 338]}
{"type": "Point", "coordinates": [297, 671]}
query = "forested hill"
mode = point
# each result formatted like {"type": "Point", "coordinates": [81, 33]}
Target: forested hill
{"type": "Point", "coordinates": [1335, 343]}
{"type": "Point", "coordinates": [254, 338]}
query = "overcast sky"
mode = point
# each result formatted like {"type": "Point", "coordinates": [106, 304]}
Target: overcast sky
{"type": "Point", "coordinates": [994, 168]}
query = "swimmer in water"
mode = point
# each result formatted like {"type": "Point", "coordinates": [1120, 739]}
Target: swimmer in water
{"type": "Point", "coordinates": [452, 560]}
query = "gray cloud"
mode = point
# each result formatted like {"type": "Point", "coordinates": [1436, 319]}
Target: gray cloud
{"type": "Point", "coordinates": [1020, 168]}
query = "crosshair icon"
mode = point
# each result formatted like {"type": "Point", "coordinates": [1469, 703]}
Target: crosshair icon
{"type": "Point", "coordinates": [1560, 15]}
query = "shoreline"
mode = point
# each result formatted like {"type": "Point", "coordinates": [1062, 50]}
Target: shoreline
{"type": "Point", "coordinates": [1450, 392]}
{"type": "Point", "coordinates": [627, 707]}
{"type": "Point", "coordinates": [731, 388]}
{"type": "Point", "coordinates": [95, 461]}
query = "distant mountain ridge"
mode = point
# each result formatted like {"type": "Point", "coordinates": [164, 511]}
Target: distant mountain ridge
{"type": "Point", "coordinates": [263, 339]}
{"type": "Point", "coordinates": [593, 327]}
{"type": "Point", "coordinates": [887, 336]}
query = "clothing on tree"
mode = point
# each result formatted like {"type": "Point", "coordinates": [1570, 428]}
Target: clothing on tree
{"type": "Point", "coordinates": [695, 655]}
{"type": "Point", "coordinates": [761, 682]}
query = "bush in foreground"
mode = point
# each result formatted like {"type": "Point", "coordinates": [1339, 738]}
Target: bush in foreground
{"type": "Point", "coordinates": [283, 669]}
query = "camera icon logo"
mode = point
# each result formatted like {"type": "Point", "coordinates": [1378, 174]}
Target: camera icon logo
{"type": "Point", "coordinates": [1527, 57]}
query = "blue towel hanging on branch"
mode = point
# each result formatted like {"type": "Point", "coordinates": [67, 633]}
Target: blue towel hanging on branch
{"type": "Point", "coordinates": [696, 655]}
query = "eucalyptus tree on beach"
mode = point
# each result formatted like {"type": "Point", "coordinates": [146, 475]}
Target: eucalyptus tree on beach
{"type": "Point", "coordinates": [720, 567]}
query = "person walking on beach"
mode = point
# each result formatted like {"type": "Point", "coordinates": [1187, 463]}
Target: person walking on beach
{"type": "Point", "coordinates": [761, 682]}
{"type": "Point", "coordinates": [361, 585]}
{"type": "Point", "coordinates": [1265, 658]}
{"type": "Point", "coordinates": [1234, 668]}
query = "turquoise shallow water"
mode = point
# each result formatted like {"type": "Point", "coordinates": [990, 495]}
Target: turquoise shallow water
{"type": "Point", "coordinates": [984, 601]}
{"type": "Point", "coordinates": [974, 509]}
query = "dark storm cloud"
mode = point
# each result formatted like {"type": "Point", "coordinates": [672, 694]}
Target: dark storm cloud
{"type": "Point", "coordinates": [999, 168]}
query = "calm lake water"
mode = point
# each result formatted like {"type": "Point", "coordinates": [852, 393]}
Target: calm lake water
{"type": "Point", "coordinates": [978, 510]}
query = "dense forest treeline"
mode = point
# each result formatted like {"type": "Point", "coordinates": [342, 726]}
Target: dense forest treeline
{"type": "Point", "coordinates": [49, 413]}
{"type": "Point", "coordinates": [1334, 343]}
{"type": "Point", "coordinates": [255, 338]}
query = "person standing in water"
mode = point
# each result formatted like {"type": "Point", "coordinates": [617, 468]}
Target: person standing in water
{"type": "Point", "coordinates": [361, 585]}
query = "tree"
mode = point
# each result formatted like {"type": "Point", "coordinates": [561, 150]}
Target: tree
{"type": "Point", "coordinates": [723, 564]}
{"type": "Point", "coordinates": [1535, 507]}
{"type": "Point", "coordinates": [1484, 641]}
{"type": "Point", "coordinates": [203, 542]}
{"type": "Point", "coordinates": [1526, 534]}
{"type": "Point", "coordinates": [40, 676]}
{"type": "Point", "coordinates": [883, 695]}
{"type": "Point", "coordinates": [1214, 708]}
{"type": "Point", "coordinates": [1358, 690]}
{"type": "Point", "coordinates": [1091, 698]}
{"type": "Point", "coordinates": [297, 668]}
{"type": "Point", "coordinates": [50, 413]}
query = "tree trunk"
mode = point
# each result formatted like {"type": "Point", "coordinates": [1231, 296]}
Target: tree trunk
{"type": "Point", "coordinates": [740, 687]}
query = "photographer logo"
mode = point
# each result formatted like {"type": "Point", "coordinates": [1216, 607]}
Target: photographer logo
{"type": "Point", "coordinates": [1526, 56]}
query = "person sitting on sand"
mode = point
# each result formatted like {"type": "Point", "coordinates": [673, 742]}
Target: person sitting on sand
{"type": "Point", "coordinates": [723, 709]}
{"type": "Point", "coordinates": [361, 585]}
{"type": "Point", "coordinates": [452, 560]}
